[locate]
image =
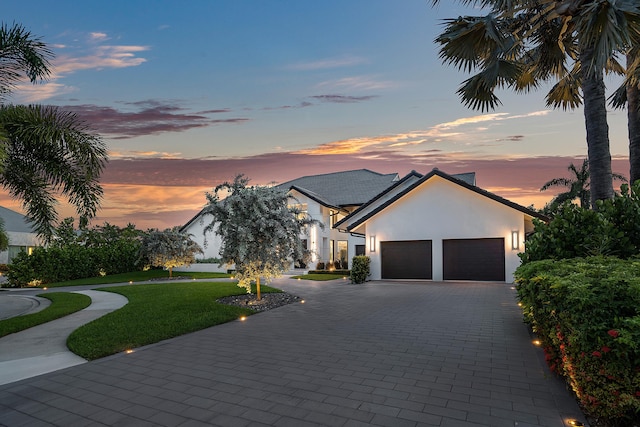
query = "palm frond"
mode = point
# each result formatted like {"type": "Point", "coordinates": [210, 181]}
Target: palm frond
{"type": "Point", "coordinates": [477, 94]}
{"type": "Point", "coordinates": [604, 27]}
{"type": "Point", "coordinates": [51, 152]}
{"type": "Point", "coordinates": [21, 54]}
{"type": "Point", "coordinates": [566, 92]}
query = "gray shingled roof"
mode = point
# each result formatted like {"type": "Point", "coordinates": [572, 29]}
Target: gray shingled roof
{"type": "Point", "coordinates": [13, 221]}
{"type": "Point", "coordinates": [346, 188]}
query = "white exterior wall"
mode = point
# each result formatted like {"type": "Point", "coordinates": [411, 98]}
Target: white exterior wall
{"type": "Point", "coordinates": [19, 239]}
{"type": "Point", "coordinates": [317, 238]}
{"type": "Point", "coordinates": [439, 210]}
{"type": "Point", "coordinates": [196, 229]}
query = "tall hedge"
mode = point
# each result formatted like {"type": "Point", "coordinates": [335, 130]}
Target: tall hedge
{"type": "Point", "coordinates": [586, 312]}
{"type": "Point", "coordinates": [611, 229]}
{"type": "Point", "coordinates": [102, 250]}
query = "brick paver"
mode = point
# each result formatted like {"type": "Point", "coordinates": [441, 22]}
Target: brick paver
{"type": "Point", "coordinates": [387, 354]}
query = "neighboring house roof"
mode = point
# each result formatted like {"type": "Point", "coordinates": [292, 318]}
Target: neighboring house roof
{"type": "Point", "coordinates": [14, 221]}
{"type": "Point", "coordinates": [410, 182]}
{"type": "Point", "coordinates": [339, 189]}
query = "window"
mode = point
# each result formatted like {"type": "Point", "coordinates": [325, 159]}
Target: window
{"type": "Point", "coordinates": [15, 250]}
{"type": "Point", "coordinates": [343, 252]}
{"type": "Point", "coordinates": [332, 250]}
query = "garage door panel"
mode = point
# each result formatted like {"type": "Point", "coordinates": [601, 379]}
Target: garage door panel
{"type": "Point", "coordinates": [474, 259]}
{"type": "Point", "coordinates": [406, 259]}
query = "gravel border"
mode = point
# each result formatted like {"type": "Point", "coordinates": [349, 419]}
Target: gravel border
{"type": "Point", "coordinates": [269, 300]}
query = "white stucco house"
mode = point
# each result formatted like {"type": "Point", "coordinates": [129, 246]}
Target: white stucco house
{"type": "Point", "coordinates": [22, 236]}
{"type": "Point", "coordinates": [425, 227]}
{"type": "Point", "coordinates": [327, 198]}
{"type": "Point", "coordinates": [441, 227]}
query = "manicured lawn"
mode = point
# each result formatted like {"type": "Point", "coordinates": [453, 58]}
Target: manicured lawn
{"type": "Point", "coordinates": [135, 276]}
{"type": "Point", "coordinates": [154, 313]}
{"type": "Point", "coordinates": [320, 277]}
{"type": "Point", "coordinates": [62, 304]}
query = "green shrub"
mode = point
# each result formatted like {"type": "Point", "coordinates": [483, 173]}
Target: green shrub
{"type": "Point", "coordinates": [339, 272]}
{"type": "Point", "coordinates": [612, 229]}
{"type": "Point", "coordinates": [104, 250]}
{"type": "Point", "coordinates": [360, 268]}
{"type": "Point", "coordinates": [586, 312]}
{"type": "Point", "coordinates": [320, 266]}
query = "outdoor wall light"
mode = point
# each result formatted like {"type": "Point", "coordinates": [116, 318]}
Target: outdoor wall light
{"type": "Point", "coordinates": [372, 243]}
{"type": "Point", "coordinates": [515, 240]}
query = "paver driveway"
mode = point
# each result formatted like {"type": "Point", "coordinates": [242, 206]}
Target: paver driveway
{"type": "Point", "coordinates": [391, 354]}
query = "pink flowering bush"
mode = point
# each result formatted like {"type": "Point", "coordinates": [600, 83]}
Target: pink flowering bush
{"type": "Point", "coordinates": [586, 312]}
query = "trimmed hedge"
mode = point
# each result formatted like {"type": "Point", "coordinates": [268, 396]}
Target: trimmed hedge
{"type": "Point", "coordinates": [586, 312]}
{"type": "Point", "coordinates": [612, 229]}
{"type": "Point", "coordinates": [343, 272]}
{"type": "Point", "coordinates": [360, 269]}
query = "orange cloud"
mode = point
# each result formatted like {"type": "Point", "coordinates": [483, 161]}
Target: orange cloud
{"type": "Point", "coordinates": [162, 193]}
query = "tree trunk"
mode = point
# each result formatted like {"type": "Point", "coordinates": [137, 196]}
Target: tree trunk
{"type": "Point", "coordinates": [595, 116]}
{"type": "Point", "coordinates": [633, 114]}
{"type": "Point", "coordinates": [258, 296]}
{"type": "Point", "coordinates": [170, 272]}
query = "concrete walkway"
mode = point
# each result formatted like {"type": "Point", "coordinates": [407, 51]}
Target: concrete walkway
{"type": "Point", "coordinates": [43, 348]}
{"type": "Point", "coordinates": [386, 354]}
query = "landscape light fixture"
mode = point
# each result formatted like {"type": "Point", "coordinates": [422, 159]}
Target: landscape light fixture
{"type": "Point", "coordinates": [372, 243]}
{"type": "Point", "coordinates": [515, 240]}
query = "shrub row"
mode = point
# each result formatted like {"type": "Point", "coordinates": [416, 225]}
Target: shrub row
{"type": "Point", "coordinates": [343, 272]}
{"type": "Point", "coordinates": [74, 261]}
{"type": "Point", "coordinates": [337, 265]}
{"type": "Point", "coordinates": [612, 229]}
{"type": "Point", "coordinates": [586, 312]}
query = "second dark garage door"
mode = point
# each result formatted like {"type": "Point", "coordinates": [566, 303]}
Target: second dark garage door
{"type": "Point", "coordinates": [473, 259]}
{"type": "Point", "coordinates": [406, 259]}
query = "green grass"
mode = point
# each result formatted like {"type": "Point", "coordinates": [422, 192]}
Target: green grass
{"type": "Point", "coordinates": [62, 304]}
{"type": "Point", "coordinates": [320, 277]}
{"type": "Point", "coordinates": [135, 276]}
{"type": "Point", "coordinates": [154, 313]}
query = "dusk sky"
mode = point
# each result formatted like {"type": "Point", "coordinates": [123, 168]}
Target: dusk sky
{"type": "Point", "coordinates": [187, 94]}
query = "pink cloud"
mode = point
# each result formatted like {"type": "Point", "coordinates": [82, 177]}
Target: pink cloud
{"type": "Point", "coordinates": [155, 192]}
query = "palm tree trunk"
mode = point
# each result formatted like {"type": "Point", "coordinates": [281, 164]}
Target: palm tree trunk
{"type": "Point", "coordinates": [595, 116]}
{"type": "Point", "coordinates": [633, 115]}
{"type": "Point", "coordinates": [258, 295]}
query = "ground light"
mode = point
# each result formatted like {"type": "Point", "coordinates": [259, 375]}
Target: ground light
{"type": "Point", "coordinates": [572, 422]}
{"type": "Point", "coordinates": [242, 318]}
{"type": "Point", "coordinates": [537, 342]}
{"type": "Point", "coordinates": [301, 301]}
{"type": "Point", "coordinates": [128, 351]}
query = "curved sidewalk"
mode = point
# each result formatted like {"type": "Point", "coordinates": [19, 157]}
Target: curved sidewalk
{"type": "Point", "coordinates": [43, 348]}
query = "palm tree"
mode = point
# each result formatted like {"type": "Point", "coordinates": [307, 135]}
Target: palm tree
{"type": "Point", "coordinates": [44, 151]}
{"type": "Point", "coordinates": [520, 44]}
{"type": "Point", "coordinates": [577, 185]}
{"type": "Point", "coordinates": [629, 94]}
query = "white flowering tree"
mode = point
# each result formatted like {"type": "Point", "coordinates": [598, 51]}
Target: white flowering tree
{"type": "Point", "coordinates": [168, 249]}
{"type": "Point", "coordinates": [260, 228]}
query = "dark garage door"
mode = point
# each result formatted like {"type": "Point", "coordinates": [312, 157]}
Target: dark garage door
{"type": "Point", "coordinates": [473, 259]}
{"type": "Point", "coordinates": [406, 259]}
